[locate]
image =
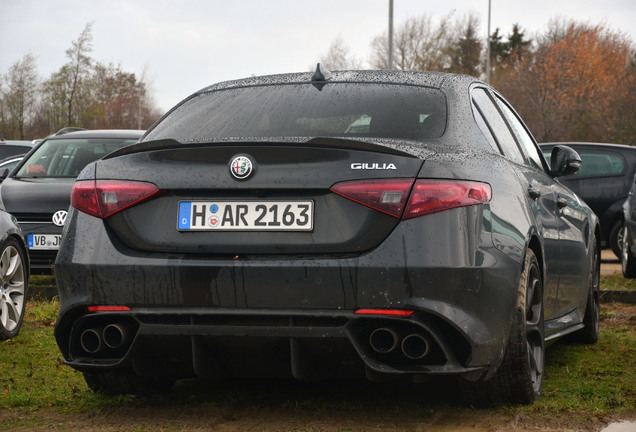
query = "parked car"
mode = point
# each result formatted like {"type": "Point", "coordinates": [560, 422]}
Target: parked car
{"type": "Point", "coordinates": [603, 182]}
{"type": "Point", "coordinates": [38, 191]}
{"type": "Point", "coordinates": [14, 147]}
{"type": "Point", "coordinates": [628, 235]}
{"type": "Point", "coordinates": [14, 275]}
{"type": "Point", "coordinates": [254, 232]}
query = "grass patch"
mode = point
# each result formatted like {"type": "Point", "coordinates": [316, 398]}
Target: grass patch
{"type": "Point", "coordinates": [36, 388]}
{"type": "Point", "coordinates": [616, 282]}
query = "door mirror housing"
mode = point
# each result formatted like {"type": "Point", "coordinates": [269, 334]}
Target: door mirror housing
{"type": "Point", "coordinates": [564, 161]}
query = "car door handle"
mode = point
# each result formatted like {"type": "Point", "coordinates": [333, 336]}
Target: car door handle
{"type": "Point", "coordinates": [534, 192]}
{"type": "Point", "coordinates": [561, 202]}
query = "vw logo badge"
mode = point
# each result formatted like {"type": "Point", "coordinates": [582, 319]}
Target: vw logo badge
{"type": "Point", "coordinates": [59, 217]}
{"type": "Point", "coordinates": [241, 167]}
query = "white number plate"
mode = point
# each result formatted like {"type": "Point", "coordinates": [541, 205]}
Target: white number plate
{"type": "Point", "coordinates": [246, 216]}
{"type": "Point", "coordinates": [44, 241]}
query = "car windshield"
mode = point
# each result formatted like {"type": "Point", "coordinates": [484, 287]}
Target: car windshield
{"type": "Point", "coordinates": [305, 110]}
{"type": "Point", "coordinates": [67, 157]}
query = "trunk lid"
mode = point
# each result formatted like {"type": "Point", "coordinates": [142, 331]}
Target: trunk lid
{"type": "Point", "coordinates": [283, 176]}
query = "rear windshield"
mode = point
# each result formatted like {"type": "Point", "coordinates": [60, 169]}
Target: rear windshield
{"type": "Point", "coordinates": [67, 157]}
{"type": "Point", "coordinates": [304, 110]}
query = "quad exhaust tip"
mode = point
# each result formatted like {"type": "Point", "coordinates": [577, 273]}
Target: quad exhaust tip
{"type": "Point", "coordinates": [413, 346]}
{"type": "Point", "coordinates": [112, 336]}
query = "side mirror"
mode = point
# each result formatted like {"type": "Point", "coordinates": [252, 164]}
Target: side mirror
{"type": "Point", "coordinates": [564, 161]}
{"type": "Point", "coordinates": [3, 174]}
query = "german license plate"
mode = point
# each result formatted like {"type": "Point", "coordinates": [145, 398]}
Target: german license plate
{"type": "Point", "coordinates": [44, 241]}
{"type": "Point", "coordinates": [246, 216]}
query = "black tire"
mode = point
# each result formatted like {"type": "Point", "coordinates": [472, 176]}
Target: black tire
{"type": "Point", "coordinates": [628, 260]}
{"type": "Point", "coordinates": [589, 333]}
{"type": "Point", "coordinates": [519, 379]}
{"type": "Point", "coordinates": [124, 382]}
{"type": "Point", "coordinates": [615, 238]}
{"type": "Point", "coordinates": [13, 288]}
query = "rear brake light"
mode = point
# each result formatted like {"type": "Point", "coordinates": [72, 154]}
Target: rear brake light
{"type": "Point", "coordinates": [406, 198]}
{"type": "Point", "coordinates": [432, 196]}
{"type": "Point", "coordinates": [388, 196]}
{"type": "Point", "coordinates": [103, 198]}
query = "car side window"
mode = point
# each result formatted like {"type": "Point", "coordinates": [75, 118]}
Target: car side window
{"type": "Point", "coordinates": [523, 137]}
{"type": "Point", "coordinates": [601, 164]}
{"type": "Point", "coordinates": [497, 125]}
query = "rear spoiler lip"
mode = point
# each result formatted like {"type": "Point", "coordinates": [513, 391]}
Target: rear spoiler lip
{"type": "Point", "coordinates": [413, 149]}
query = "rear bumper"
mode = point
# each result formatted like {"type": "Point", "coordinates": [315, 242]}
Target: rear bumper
{"type": "Point", "coordinates": [287, 316]}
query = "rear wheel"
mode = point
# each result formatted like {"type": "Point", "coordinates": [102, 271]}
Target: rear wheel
{"type": "Point", "coordinates": [589, 333]}
{"type": "Point", "coordinates": [628, 260]}
{"type": "Point", "coordinates": [124, 382]}
{"type": "Point", "coordinates": [13, 285]}
{"type": "Point", "coordinates": [519, 378]}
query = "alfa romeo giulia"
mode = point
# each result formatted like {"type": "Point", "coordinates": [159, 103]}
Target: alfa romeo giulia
{"type": "Point", "coordinates": [358, 224]}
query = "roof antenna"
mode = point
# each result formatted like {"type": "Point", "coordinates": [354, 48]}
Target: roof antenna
{"type": "Point", "coordinates": [321, 74]}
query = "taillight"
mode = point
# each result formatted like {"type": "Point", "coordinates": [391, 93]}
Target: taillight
{"type": "Point", "coordinates": [388, 196]}
{"type": "Point", "coordinates": [432, 196]}
{"type": "Point", "coordinates": [103, 198]}
{"type": "Point", "coordinates": [406, 198]}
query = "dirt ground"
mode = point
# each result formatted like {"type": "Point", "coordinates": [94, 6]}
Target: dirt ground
{"type": "Point", "coordinates": [609, 263]}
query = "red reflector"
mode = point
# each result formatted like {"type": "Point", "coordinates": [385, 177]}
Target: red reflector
{"type": "Point", "coordinates": [388, 196]}
{"type": "Point", "coordinates": [108, 308]}
{"type": "Point", "coordinates": [390, 312]}
{"type": "Point", "coordinates": [432, 196]}
{"type": "Point", "coordinates": [103, 198]}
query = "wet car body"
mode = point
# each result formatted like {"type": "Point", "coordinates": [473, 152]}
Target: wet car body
{"type": "Point", "coordinates": [40, 200]}
{"type": "Point", "coordinates": [352, 287]}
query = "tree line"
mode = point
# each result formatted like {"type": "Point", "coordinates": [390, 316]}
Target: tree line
{"type": "Point", "coordinates": [572, 82]}
{"type": "Point", "coordinates": [82, 93]}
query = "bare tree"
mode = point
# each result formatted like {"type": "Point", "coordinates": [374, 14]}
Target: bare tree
{"type": "Point", "coordinates": [19, 97]}
{"type": "Point", "coordinates": [338, 57]}
{"type": "Point", "coordinates": [418, 45]}
{"type": "Point", "coordinates": [66, 93]}
{"type": "Point", "coordinates": [120, 100]}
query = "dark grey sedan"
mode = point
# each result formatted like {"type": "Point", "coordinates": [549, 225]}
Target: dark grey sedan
{"type": "Point", "coordinates": [372, 225]}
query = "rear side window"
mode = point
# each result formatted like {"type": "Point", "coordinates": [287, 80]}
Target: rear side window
{"type": "Point", "coordinates": [494, 127]}
{"type": "Point", "coordinates": [305, 110]}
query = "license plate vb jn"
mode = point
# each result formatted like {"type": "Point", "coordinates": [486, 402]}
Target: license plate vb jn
{"type": "Point", "coordinates": [44, 241]}
{"type": "Point", "coordinates": [245, 216]}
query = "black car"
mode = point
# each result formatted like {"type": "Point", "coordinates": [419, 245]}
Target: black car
{"type": "Point", "coordinates": [628, 234]}
{"type": "Point", "coordinates": [603, 182]}
{"type": "Point", "coordinates": [38, 191]}
{"type": "Point", "coordinates": [14, 276]}
{"type": "Point", "coordinates": [373, 225]}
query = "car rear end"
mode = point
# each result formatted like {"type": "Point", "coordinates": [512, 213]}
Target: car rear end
{"type": "Point", "coordinates": [311, 258]}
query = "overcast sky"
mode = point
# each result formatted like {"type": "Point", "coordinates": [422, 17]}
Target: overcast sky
{"type": "Point", "coordinates": [186, 45]}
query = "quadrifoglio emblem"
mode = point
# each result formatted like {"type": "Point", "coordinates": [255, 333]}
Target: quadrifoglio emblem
{"type": "Point", "coordinates": [241, 167]}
